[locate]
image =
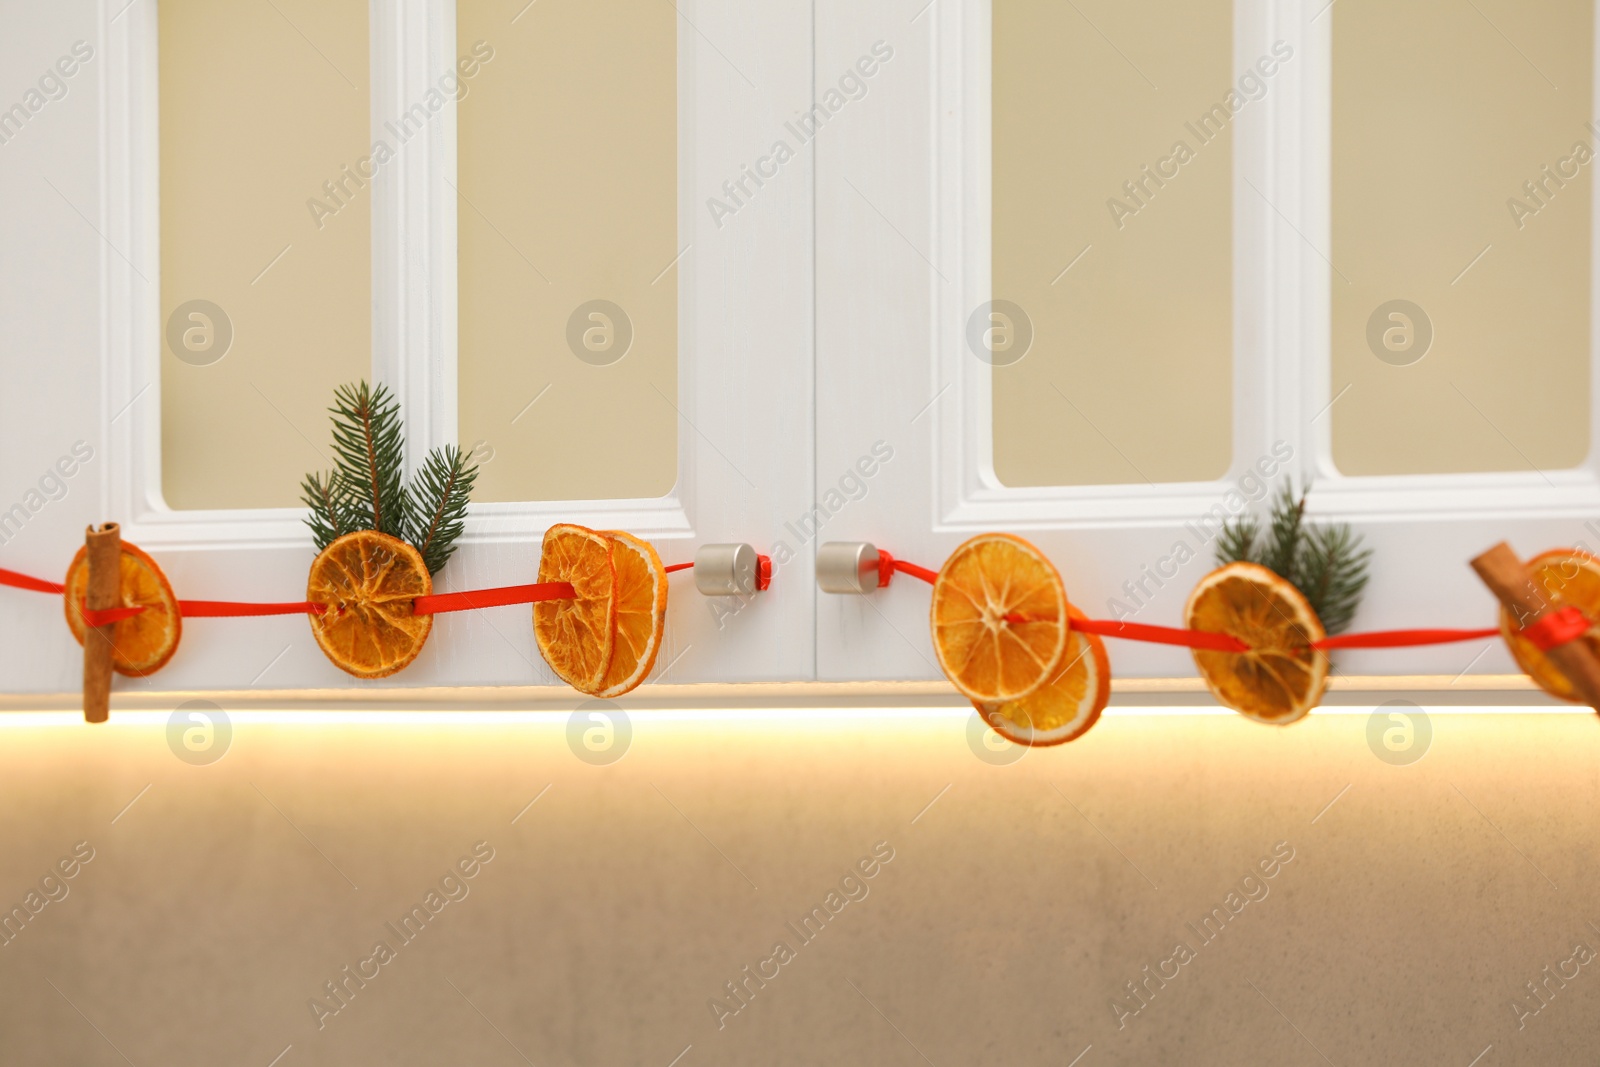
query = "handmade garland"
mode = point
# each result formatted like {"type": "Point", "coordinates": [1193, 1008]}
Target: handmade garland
{"type": "Point", "coordinates": [1036, 669]}
{"type": "Point", "coordinates": [1004, 632]}
{"type": "Point", "coordinates": [1259, 627]}
{"type": "Point", "coordinates": [599, 609]}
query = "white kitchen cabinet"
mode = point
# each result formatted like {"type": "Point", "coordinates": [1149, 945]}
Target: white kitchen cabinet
{"type": "Point", "coordinates": [839, 233]}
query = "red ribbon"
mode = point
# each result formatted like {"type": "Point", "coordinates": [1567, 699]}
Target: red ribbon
{"type": "Point", "coordinates": [107, 616]}
{"type": "Point", "coordinates": [763, 570]}
{"type": "Point", "coordinates": [1403, 638]}
{"type": "Point", "coordinates": [1161, 635]}
{"type": "Point", "coordinates": [1549, 630]}
{"type": "Point", "coordinates": [23, 581]}
{"type": "Point", "coordinates": [887, 565]}
{"type": "Point", "coordinates": [216, 609]}
{"type": "Point", "coordinates": [439, 603]}
{"type": "Point", "coordinates": [1556, 628]}
{"type": "Point", "coordinates": [433, 604]}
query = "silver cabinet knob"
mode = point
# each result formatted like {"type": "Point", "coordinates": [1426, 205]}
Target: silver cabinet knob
{"type": "Point", "coordinates": [847, 567]}
{"type": "Point", "coordinates": [730, 570]}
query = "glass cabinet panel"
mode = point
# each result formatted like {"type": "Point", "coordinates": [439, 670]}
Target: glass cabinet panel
{"type": "Point", "coordinates": [266, 163]}
{"type": "Point", "coordinates": [1111, 330]}
{"type": "Point", "coordinates": [1462, 204]}
{"type": "Point", "coordinates": [568, 240]}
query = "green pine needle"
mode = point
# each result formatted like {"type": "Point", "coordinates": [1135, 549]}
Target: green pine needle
{"type": "Point", "coordinates": [1285, 531]}
{"type": "Point", "coordinates": [439, 493]}
{"type": "Point", "coordinates": [1333, 570]}
{"type": "Point", "coordinates": [1236, 543]}
{"type": "Point", "coordinates": [1326, 563]}
{"type": "Point", "coordinates": [369, 452]}
{"type": "Point", "coordinates": [366, 490]}
{"type": "Point", "coordinates": [328, 498]}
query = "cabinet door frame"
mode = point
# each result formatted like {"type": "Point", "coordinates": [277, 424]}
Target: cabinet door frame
{"type": "Point", "coordinates": [743, 464]}
{"type": "Point", "coordinates": [1104, 538]}
{"type": "Point", "coordinates": [413, 283]}
{"type": "Point", "coordinates": [969, 495]}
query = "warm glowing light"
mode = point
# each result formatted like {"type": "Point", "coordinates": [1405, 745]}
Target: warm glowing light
{"type": "Point", "coordinates": [302, 717]}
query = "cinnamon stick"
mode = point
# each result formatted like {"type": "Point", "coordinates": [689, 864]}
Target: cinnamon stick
{"type": "Point", "coordinates": [1508, 579]}
{"type": "Point", "coordinates": [104, 591]}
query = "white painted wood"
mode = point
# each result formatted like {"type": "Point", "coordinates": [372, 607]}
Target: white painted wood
{"type": "Point", "coordinates": [414, 223]}
{"type": "Point", "coordinates": [53, 268]}
{"type": "Point", "coordinates": [902, 209]}
{"type": "Point", "coordinates": [745, 376]}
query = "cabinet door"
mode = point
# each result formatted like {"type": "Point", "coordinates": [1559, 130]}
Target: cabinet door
{"type": "Point", "coordinates": [535, 224]}
{"type": "Point", "coordinates": [1106, 274]}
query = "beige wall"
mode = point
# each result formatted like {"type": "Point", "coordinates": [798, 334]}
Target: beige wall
{"type": "Point", "coordinates": [260, 105]}
{"type": "Point", "coordinates": [568, 177]}
{"type": "Point", "coordinates": [1014, 909]}
{"type": "Point", "coordinates": [1438, 120]}
{"type": "Point", "coordinates": [1130, 374]}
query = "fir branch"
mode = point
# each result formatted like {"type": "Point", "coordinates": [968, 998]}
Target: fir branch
{"type": "Point", "coordinates": [1326, 563]}
{"type": "Point", "coordinates": [368, 444]}
{"type": "Point", "coordinates": [1281, 553]}
{"type": "Point", "coordinates": [328, 499]}
{"type": "Point", "coordinates": [1237, 541]}
{"type": "Point", "coordinates": [366, 490]}
{"type": "Point", "coordinates": [1333, 574]}
{"type": "Point", "coordinates": [440, 492]}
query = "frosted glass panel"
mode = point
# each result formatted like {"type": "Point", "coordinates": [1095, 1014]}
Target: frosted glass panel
{"type": "Point", "coordinates": [1461, 251]}
{"type": "Point", "coordinates": [1112, 335]}
{"type": "Point", "coordinates": [567, 216]}
{"type": "Point", "coordinates": [266, 237]}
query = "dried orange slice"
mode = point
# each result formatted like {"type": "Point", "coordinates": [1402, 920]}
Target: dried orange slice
{"type": "Point", "coordinates": [1064, 707]}
{"type": "Point", "coordinates": [578, 637]}
{"type": "Point", "coordinates": [368, 580]}
{"type": "Point", "coordinates": [999, 618]}
{"type": "Point", "coordinates": [1565, 577]}
{"type": "Point", "coordinates": [641, 613]}
{"type": "Point", "coordinates": [1282, 677]}
{"type": "Point", "coordinates": [142, 644]}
